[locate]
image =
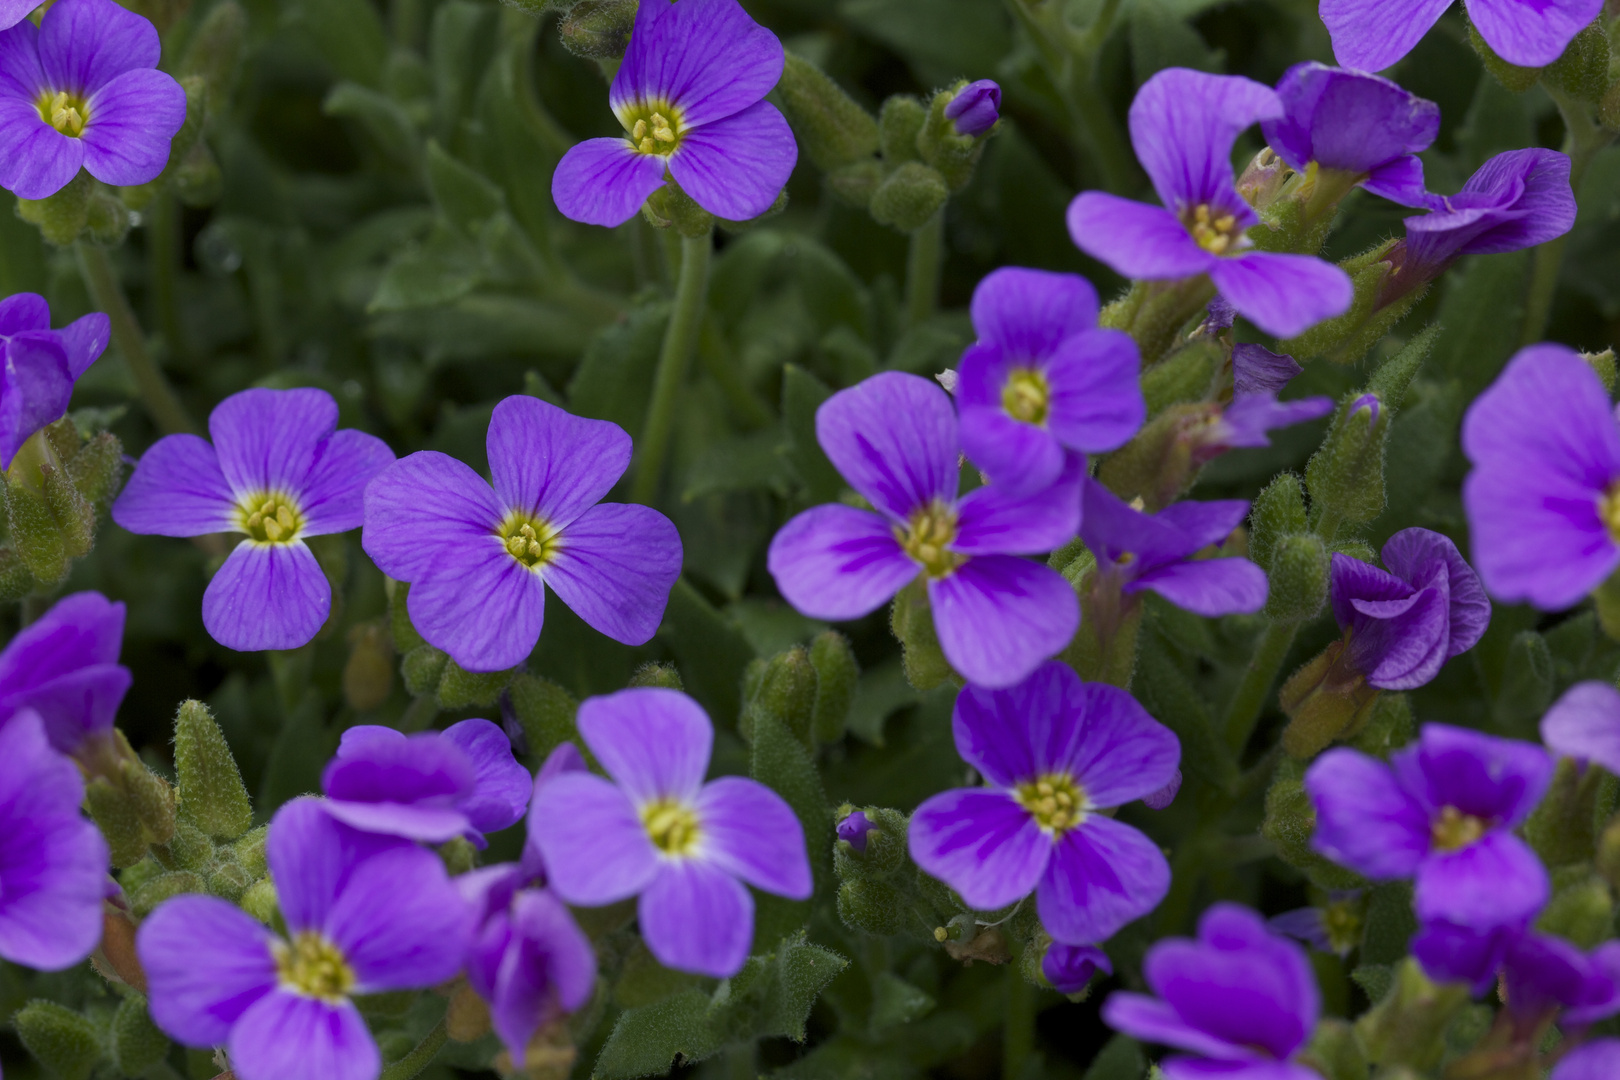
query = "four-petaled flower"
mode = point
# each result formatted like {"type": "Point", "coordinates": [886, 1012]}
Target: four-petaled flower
{"type": "Point", "coordinates": [64, 666]}
{"type": "Point", "coordinates": [38, 366]}
{"type": "Point", "coordinates": [1373, 34]}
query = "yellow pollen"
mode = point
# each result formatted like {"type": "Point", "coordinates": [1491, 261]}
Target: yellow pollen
{"type": "Point", "coordinates": [527, 539]}
{"type": "Point", "coordinates": [1214, 234]}
{"type": "Point", "coordinates": [313, 966]}
{"type": "Point", "coordinates": [271, 518]}
{"type": "Point", "coordinates": [930, 530]}
{"type": "Point", "coordinates": [1609, 510]}
{"type": "Point", "coordinates": [672, 826]}
{"type": "Point", "coordinates": [654, 132]}
{"type": "Point", "coordinates": [1454, 830]}
{"type": "Point", "coordinates": [1026, 396]}
{"type": "Point", "coordinates": [1056, 801]}
{"type": "Point", "coordinates": [64, 112]}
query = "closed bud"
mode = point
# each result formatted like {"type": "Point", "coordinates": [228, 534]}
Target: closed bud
{"type": "Point", "coordinates": [152, 798]}
{"type": "Point", "coordinates": [34, 533]}
{"type": "Point", "coordinates": [249, 852]}
{"type": "Point", "coordinates": [60, 1039]}
{"type": "Point", "coordinates": [1408, 1026]}
{"type": "Point", "coordinates": [944, 145]}
{"type": "Point", "coordinates": [1289, 823]}
{"type": "Point", "coordinates": [1515, 78]}
{"type": "Point", "coordinates": [1297, 572]}
{"type": "Point", "coordinates": [1335, 1053]}
{"type": "Point", "coordinates": [974, 107]}
{"type": "Point", "coordinates": [853, 829]}
{"type": "Point", "coordinates": [544, 711]}
{"type": "Point", "coordinates": [196, 177]}
{"type": "Point", "coordinates": [212, 794]}
{"type": "Point", "coordinates": [97, 469]}
{"type": "Point", "coordinates": [1583, 71]}
{"type": "Point", "coordinates": [664, 676]}
{"type": "Point", "coordinates": [187, 849]}
{"type": "Point", "coordinates": [229, 880]}
{"type": "Point", "coordinates": [106, 221]}
{"type": "Point", "coordinates": [137, 1044]}
{"type": "Point", "coordinates": [458, 856]}
{"type": "Point", "coordinates": [1562, 827]}
{"type": "Point", "coordinates": [1582, 906]}
{"type": "Point", "coordinates": [62, 217]}
{"type": "Point", "coordinates": [1156, 465]}
{"type": "Point", "coordinates": [872, 907]}
{"type": "Point", "coordinates": [114, 814]}
{"type": "Point", "coordinates": [368, 674]}
{"type": "Point", "coordinates": [74, 516]}
{"type": "Point", "coordinates": [837, 673]}
{"type": "Point", "coordinates": [215, 51]}
{"type": "Point", "coordinates": [1279, 511]}
{"type": "Point", "coordinates": [175, 883]}
{"type": "Point", "coordinates": [459, 688]}
{"type": "Point", "coordinates": [671, 208]}
{"type": "Point", "coordinates": [1389, 726]}
{"type": "Point", "coordinates": [857, 183]}
{"type": "Point", "coordinates": [831, 126]}
{"type": "Point", "coordinates": [15, 580]}
{"type": "Point", "coordinates": [787, 691]}
{"type": "Point", "coordinates": [1326, 700]}
{"type": "Point", "coordinates": [912, 621]}
{"type": "Point", "coordinates": [1603, 365]}
{"type": "Point", "coordinates": [1346, 476]}
{"type": "Point", "coordinates": [598, 29]}
{"type": "Point", "coordinates": [908, 197]}
{"type": "Point", "coordinates": [260, 901]}
{"type": "Point", "coordinates": [899, 124]}
{"type": "Point", "coordinates": [1381, 298]}
{"type": "Point", "coordinates": [881, 833]}
{"type": "Point", "coordinates": [422, 668]}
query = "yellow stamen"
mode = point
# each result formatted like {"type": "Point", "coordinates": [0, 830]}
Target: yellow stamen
{"type": "Point", "coordinates": [313, 966]}
{"type": "Point", "coordinates": [270, 519]}
{"type": "Point", "coordinates": [926, 540]}
{"type": "Point", "coordinates": [529, 540]}
{"type": "Point", "coordinates": [1056, 801]}
{"type": "Point", "coordinates": [1454, 830]}
{"type": "Point", "coordinates": [654, 127]}
{"type": "Point", "coordinates": [1214, 234]}
{"type": "Point", "coordinates": [672, 825]}
{"type": "Point", "coordinates": [1026, 396]}
{"type": "Point", "coordinates": [64, 112]}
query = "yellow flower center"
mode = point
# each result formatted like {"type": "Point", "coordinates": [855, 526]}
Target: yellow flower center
{"type": "Point", "coordinates": [1609, 510]}
{"type": "Point", "coordinates": [672, 825]}
{"type": "Point", "coordinates": [313, 966]}
{"type": "Point", "coordinates": [1342, 921]}
{"type": "Point", "coordinates": [1026, 396]}
{"type": "Point", "coordinates": [1056, 801]}
{"type": "Point", "coordinates": [65, 112]}
{"type": "Point", "coordinates": [1215, 235]}
{"type": "Point", "coordinates": [925, 539]}
{"type": "Point", "coordinates": [1454, 830]}
{"type": "Point", "coordinates": [529, 540]}
{"type": "Point", "coordinates": [270, 518]}
{"type": "Point", "coordinates": [655, 127]}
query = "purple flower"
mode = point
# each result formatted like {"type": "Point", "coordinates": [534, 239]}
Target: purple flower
{"type": "Point", "coordinates": [1584, 724]}
{"type": "Point", "coordinates": [1443, 811]}
{"type": "Point", "coordinates": [1246, 422]}
{"type": "Point", "coordinates": [690, 96]}
{"type": "Point", "coordinates": [1542, 975]}
{"type": "Point", "coordinates": [1241, 999]}
{"type": "Point", "coordinates": [1055, 752]}
{"type": "Point", "coordinates": [975, 108]}
{"type": "Point", "coordinates": [853, 829]}
{"type": "Point", "coordinates": [1402, 625]}
{"type": "Point", "coordinates": [479, 560]}
{"type": "Point", "coordinates": [1597, 1060]}
{"type": "Point", "coordinates": [1258, 370]}
{"type": "Point", "coordinates": [83, 89]}
{"type": "Point", "coordinates": [1043, 378]}
{"type": "Point", "coordinates": [1163, 797]}
{"type": "Point", "coordinates": [41, 365]}
{"type": "Point", "coordinates": [1183, 125]}
{"type": "Point", "coordinates": [657, 831]}
{"type": "Point", "coordinates": [433, 786]}
{"type": "Point", "coordinates": [1355, 124]}
{"type": "Point", "coordinates": [894, 438]}
{"type": "Point", "coordinates": [1334, 928]}
{"type": "Point", "coordinates": [1543, 499]}
{"type": "Point", "coordinates": [1069, 968]}
{"type": "Point", "coordinates": [64, 666]}
{"type": "Point", "coordinates": [53, 863]}
{"type": "Point", "coordinates": [365, 914]}
{"type": "Point", "coordinates": [1373, 34]}
{"type": "Point", "coordinates": [278, 471]}
{"type": "Point", "coordinates": [1155, 552]}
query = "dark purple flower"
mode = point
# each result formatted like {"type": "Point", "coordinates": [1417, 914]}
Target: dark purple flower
{"type": "Point", "coordinates": [1442, 811]}
{"type": "Point", "coordinates": [433, 786]}
{"type": "Point", "coordinates": [1373, 34]}
{"type": "Point", "coordinates": [53, 863]}
{"type": "Point", "coordinates": [1055, 752]}
{"type": "Point", "coordinates": [1543, 499]}
{"type": "Point", "coordinates": [278, 471]}
{"type": "Point", "coordinates": [1247, 422]}
{"type": "Point", "coordinates": [365, 914]}
{"type": "Point", "coordinates": [657, 831]}
{"type": "Point", "coordinates": [1584, 724]}
{"type": "Point", "coordinates": [40, 366]}
{"type": "Point", "coordinates": [894, 438]}
{"type": "Point", "coordinates": [853, 829]}
{"type": "Point", "coordinates": [1355, 124]}
{"type": "Point", "coordinates": [1597, 1060]}
{"type": "Point", "coordinates": [1069, 968]}
{"type": "Point", "coordinates": [1043, 378]}
{"type": "Point", "coordinates": [1155, 552]}
{"type": "Point", "coordinates": [1401, 625]}
{"type": "Point", "coordinates": [1258, 370]}
{"type": "Point", "coordinates": [480, 560]}
{"type": "Point", "coordinates": [64, 666]}
{"type": "Point", "coordinates": [975, 108]}
{"type": "Point", "coordinates": [83, 90]}
{"type": "Point", "coordinates": [690, 94]}
{"type": "Point", "coordinates": [1183, 125]}
{"type": "Point", "coordinates": [1241, 999]}
{"type": "Point", "coordinates": [1541, 975]}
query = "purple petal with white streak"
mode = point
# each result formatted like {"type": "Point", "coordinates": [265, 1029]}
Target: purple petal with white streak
{"type": "Point", "coordinates": [709, 60]}
{"type": "Point", "coordinates": [982, 844]}
{"type": "Point", "coordinates": [893, 437]}
{"type": "Point", "coordinates": [1103, 875]}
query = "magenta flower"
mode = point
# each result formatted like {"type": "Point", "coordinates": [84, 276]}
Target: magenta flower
{"type": "Point", "coordinates": [53, 862]}
{"type": "Point", "coordinates": [690, 94]}
{"type": "Point", "coordinates": [1043, 379]}
{"type": "Point", "coordinates": [1069, 968]}
{"type": "Point", "coordinates": [40, 366]}
{"type": "Point", "coordinates": [1055, 753]}
{"type": "Point", "coordinates": [1373, 34]}
{"type": "Point", "coordinates": [1240, 999]}
{"type": "Point", "coordinates": [83, 90]}
{"type": "Point", "coordinates": [894, 438]}
{"type": "Point", "coordinates": [975, 108]}
{"type": "Point", "coordinates": [657, 831]}
{"type": "Point", "coordinates": [278, 471]}
{"type": "Point", "coordinates": [1183, 126]}
{"type": "Point", "coordinates": [365, 914]}
{"type": "Point", "coordinates": [1543, 499]}
{"type": "Point", "coordinates": [64, 667]}
{"type": "Point", "coordinates": [480, 560]}
{"type": "Point", "coordinates": [1443, 811]}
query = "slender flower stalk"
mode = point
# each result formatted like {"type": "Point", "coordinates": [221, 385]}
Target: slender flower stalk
{"type": "Point", "coordinates": [674, 363]}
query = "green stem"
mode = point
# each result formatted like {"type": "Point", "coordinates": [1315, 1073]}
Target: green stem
{"type": "Point", "coordinates": [1582, 140]}
{"type": "Point", "coordinates": [163, 249]}
{"type": "Point", "coordinates": [720, 362]}
{"type": "Point", "coordinates": [419, 714]}
{"type": "Point", "coordinates": [680, 342]}
{"type": "Point", "coordinates": [420, 1058]}
{"type": "Point", "coordinates": [1018, 1038]}
{"type": "Point", "coordinates": [1255, 687]}
{"type": "Point", "coordinates": [1107, 144]}
{"type": "Point", "coordinates": [108, 295]}
{"type": "Point", "coordinates": [924, 261]}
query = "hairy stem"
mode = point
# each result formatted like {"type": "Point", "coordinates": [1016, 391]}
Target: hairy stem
{"type": "Point", "coordinates": [1582, 140]}
{"type": "Point", "coordinates": [680, 342]}
{"type": "Point", "coordinates": [156, 394]}
{"type": "Point", "coordinates": [420, 1058]}
{"type": "Point", "coordinates": [924, 261]}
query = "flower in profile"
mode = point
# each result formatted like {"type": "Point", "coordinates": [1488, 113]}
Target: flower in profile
{"type": "Point", "coordinates": [1043, 378]}
{"type": "Point", "coordinates": [657, 831]}
{"type": "Point", "coordinates": [690, 95]}
{"type": "Point", "coordinates": [365, 914]}
{"type": "Point", "coordinates": [278, 472]}
{"type": "Point", "coordinates": [894, 438]}
{"type": "Point", "coordinates": [1240, 999]}
{"type": "Point", "coordinates": [1443, 811]}
{"type": "Point", "coordinates": [53, 862]}
{"type": "Point", "coordinates": [1373, 34]}
{"type": "Point", "coordinates": [64, 667]}
{"type": "Point", "coordinates": [975, 108]}
{"type": "Point", "coordinates": [1055, 753]}
{"type": "Point", "coordinates": [479, 560]}
{"type": "Point", "coordinates": [1542, 976]}
{"type": "Point", "coordinates": [83, 89]}
{"type": "Point", "coordinates": [1183, 126]}
{"type": "Point", "coordinates": [1069, 968]}
{"type": "Point", "coordinates": [1543, 499]}
{"type": "Point", "coordinates": [40, 366]}
{"type": "Point", "coordinates": [432, 786]}
{"type": "Point", "coordinates": [1584, 724]}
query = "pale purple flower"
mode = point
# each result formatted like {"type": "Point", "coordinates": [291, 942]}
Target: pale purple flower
{"type": "Point", "coordinates": [1543, 499]}
{"type": "Point", "coordinates": [975, 108]}
{"type": "Point", "coordinates": [690, 95]}
{"type": "Point", "coordinates": [1373, 34]}
{"type": "Point", "coordinates": [13, 12]}
{"type": "Point", "coordinates": [1442, 811]}
{"type": "Point", "coordinates": [1069, 968]}
{"type": "Point", "coordinates": [64, 666]}
{"type": "Point", "coordinates": [53, 862]}
{"type": "Point", "coordinates": [853, 829]}
{"type": "Point", "coordinates": [1054, 753]}
{"type": "Point", "coordinates": [1162, 798]}
{"type": "Point", "coordinates": [1043, 378]}
{"type": "Point", "coordinates": [1240, 999]}
{"type": "Point", "coordinates": [1183, 126]}
{"type": "Point", "coordinates": [656, 830]}
{"type": "Point", "coordinates": [40, 366]}
{"type": "Point", "coordinates": [480, 560]}
{"type": "Point", "coordinates": [365, 914]}
{"type": "Point", "coordinates": [1584, 724]}
{"type": "Point", "coordinates": [894, 438]}
{"type": "Point", "coordinates": [278, 471]}
{"type": "Point", "coordinates": [83, 89]}
{"type": "Point", "coordinates": [1597, 1060]}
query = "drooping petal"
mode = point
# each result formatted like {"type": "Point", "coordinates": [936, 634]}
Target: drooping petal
{"type": "Point", "coordinates": [1028, 313]}
{"type": "Point", "coordinates": [999, 616]}
{"type": "Point", "coordinates": [132, 120]}
{"type": "Point", "coordinates": [1585, 724]}
{"type": "Point", "coordinates": [1150, 1020]}
{"type": "Point", "coordinates": [36, 160]}
{"type": "Point", "coordinates": [1364, 821]}
{"type": "Point", "coordinates": [982, 844]}
{"type": "Point", "coordinates": [1135, 239]}
{"type": "Point", "coordinates": [422, 506]}
{"type": "Point", "coordinates": [1373, 34]}
{"type": "Point", "coordinates": [85, 44]}
{"type": "Point", "coordinates": [547, 462]}
{"type": "Point", "coordinates": [654, 742]}
{"type": "Point", "coordinates": [596, 849]}
{"type": "Point", "coordinates": [1401, 181]}
{"type": "Point", "coordinates": [503, 787]}
{"type": "Point", "coordinates": [1258, 370]}
{"type": "Point", "coordinates": [286, 1034]}
{"type": "Point", "coordinates": [85, 339]}
{"type": "Point", "coordinates": [177, 490]}
{"type": "Point", "coordinates": [837, 562]}
{"type": "Point", "coordinates": [605, 181]}
{"type": "Point", "coordinates": [736, 167]}
{"type": "Point", "coordinates": [1531, 34]}
{"type": "Point", "coordinates": [614, 566]}
{"type": "Point", "coordinates": [206, 961]}
{"type": "Point", "coordinates": [893, 437]}
{"type": "Point", "coordinates": [749, 832]}
{"type": "Point", "coordinates": [709, 61]}
{"type": "Point", "coordinates": [426, 822]}
{"type": "Point", "coordinates": [1542, 208]}
{"type": "Point", "coordinates": [481, 606]}
{"type": "Point", "coordinates": [1103, 875]}
{"type": "Point", "coordinates": [1210, 587]}
{"type": "Point", "coordinates": [1122, 754]}
{"type": "Point", "coordinates": [333, 495]}
{"type": "Point", "coordinates": [1283, 295]}
{"type": "Point", "coordinates": [267, 596]}
{"type": "Point", "coordinates": [1493, 882]}
{"type": "Point", "coordinates": [695, 917]}
{"type": "Point", "coordinates": [1013, 736]}
{"type": "Point", "coordinates": [64, 666]}
{"type": "Point", "coordinates": [994, 521]}
{"type": "Point", "coordinates": [400, 922]}
{"type": "Point", "coordinates": [1410, 551]}
{"type": "Point", "coordinates": [1183, 125]}
{"type": "Point", "coordinates": [1348, 120]}
{"type": "Point", "coordinates": [267, 440]}
{"type": "Point", "coordinates": [1096, 391]}
{"type": "Point", "coordinates": [549, 960]}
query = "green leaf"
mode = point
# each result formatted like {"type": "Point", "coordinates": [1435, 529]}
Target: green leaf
{"type": "Point", "coordinates": [59, 1038]}
{"type": "Point", "coordinates": [1162, 39]}
{"type": "Point", "coordinates": [647, 1040]}
{"type": "Point", "coordinates": [780, 762]}
{"type": "Point", "coordinates": [465, 196]}
{"type": "Point", "coordinates": [802, 395]}
{"type": "Point", "coordinates": [614, 379]}
{"type": "Point", "coordinates": [941, 39]}
{"type": "Point", "coordinates": [741, 463]}
{"type": "Point", "coordinates": [383, 118]}
{"type": "Point", "coordinates": [710, 652]}
{"type": "Point", "coordinates": [444, 267]}
{"type": "Point", "coordinates": [1482, 311]}
{"type": "Point", "coordinates": [1121, 1059]}
{"type": "Point", "coordinates": [349, 35]}
{"type": "Point", "coordinates": [895, 1001]}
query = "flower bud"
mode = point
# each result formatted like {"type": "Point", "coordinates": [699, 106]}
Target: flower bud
{"type": "Point", "coordinates": [882, 851]}
{"type": "Point", "coordinates": [899, 124]}
{"type": "Point", "coordinates": [975, 108]}
{"type": "Point", "coordinates": [1262, 180]}
{"type": "Point", "coordinates": [187, 849]}
{"type": "Point", "coordinates": [1298, 572]}
{"type": "Point", "coordinates": [459, 688]}
{"type": "Point", "coordinates": [60, 1039]}
{"type": "Point", "coordinates": [229, 880]}
{"type": "Point", "coordinates": [544, 711]}
{"type": "Point", "coordinates": [146, 898]}
{"type": "Point", "coordinates": [660, 675]}
{"type": "Point", "coordinates": [837, 672]}
{"type": "Point", "coordinates": [831, 126]}
{"type": "Point", "coordinates": [137, 1044]}
{"type": "Point", "coordinates": [1561, 829]}
{"type": "Point", "coordinates": [1346, 476]}
{"type": "Point", "coordinates": [1583, 71]}
{"type": "Point", "coordinates": [212, 794]}
{"type": "Point", "coordinates": [1069, 968]}
{"type": "Point", "coordinates": [872, 907]}
{"type": "Point", "coordinates": [1515, 78]}
{"type": "Point", "coordinates": [1289, 823]}
{"type": "Point", "coordinates": [1278, 512]}
{"type": "Point", "coordinates": [1326, 700]}
{"type": "Point", "coordinates": [1582, 906]}
{"type": "Point", "coordinates": [908, 197]}
{"type": "Point", "coordinates": [856, 183]}
{"type": "Point", "coordinates": [62, 217]}
{"type": "Point", "coordinates": [852, 830]}
{"type": "Point", "coordinates": [96, 468]}
{"type": "Point", "coordinates": [786, 690]}
{"type": "Point", "coordinates": [422, 668]}
{"type": "Point", "coordinates": [368, 674]}
{"type": "Point", "coordinates": [1408, 1026]}
{"type": "Point", "coordinates": [913, 623]}
{"type": "Point", "coordinates": [114, 814]}
{"type": "Point", "coordinates": [598, 29]}
{"type": "Point", "coordinates": [260, 901]}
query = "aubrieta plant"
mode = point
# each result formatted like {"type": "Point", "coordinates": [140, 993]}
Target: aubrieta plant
{"type": "Point", "coordinates": [549, 539]}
